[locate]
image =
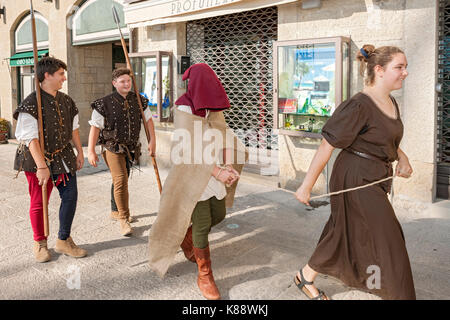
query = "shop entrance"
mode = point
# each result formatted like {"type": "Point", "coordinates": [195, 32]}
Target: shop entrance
{"type": "Point", "coordinates": [26, 84]}
{"type": "Point", "coordinates": [118, 57]}
{"type": "Point", "coordinates": [443, 138]}
{"type": "Point", "coordinates": [238, 47]}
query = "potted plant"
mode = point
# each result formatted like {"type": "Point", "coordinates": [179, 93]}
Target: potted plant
{"type": "Point", "coordinates": [4, 130]}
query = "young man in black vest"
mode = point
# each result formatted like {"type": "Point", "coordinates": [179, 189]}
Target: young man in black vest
{"type": "Point", "coordinates": [116, 123]}
{"type": "Point", "coordinates": [59, 164]}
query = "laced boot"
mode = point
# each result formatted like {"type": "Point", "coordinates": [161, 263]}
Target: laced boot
{"type": "Point", "coordinates": [68, 247]}
{"type": "Point", "coordinates": [115, 216]}
{"type": "Point", "coordinates": [125, 228]}
{"type": "Point", "coordinates": [205, 280]}
{"type": "Point", "coordinates": [41, 252]}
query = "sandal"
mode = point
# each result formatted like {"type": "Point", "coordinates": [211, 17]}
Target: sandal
{"type": "Point", "coordinates": [301, 286]}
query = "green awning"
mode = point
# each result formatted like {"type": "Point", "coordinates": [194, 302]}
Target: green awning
{"type": "Point", "coordinates": [25, 58]}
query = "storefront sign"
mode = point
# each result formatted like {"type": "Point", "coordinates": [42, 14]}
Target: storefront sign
{"type": "Point", "coordinates": [148, 13]}
{"type": "Point", "coordinates": [25, 58]}
{"type": "Point", "coordinates": [185, 6]}
{"type": "Point", "coordinates": [22, 62]}
{"type": "Point", "coordinates": [168, 9]}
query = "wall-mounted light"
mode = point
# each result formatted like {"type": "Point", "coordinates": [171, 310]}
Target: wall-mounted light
{"type": "Point", "coordinates": [2, 11]}
{"type": "Point", "coordinates": [56, 2]}
{"type": "Point", "coordinates": [311, 4]}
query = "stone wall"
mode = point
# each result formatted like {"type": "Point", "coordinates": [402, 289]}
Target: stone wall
{"type": "Point", "coordinates": [400, 23]}
{"type": "Point", "coordinates": [90, 78]}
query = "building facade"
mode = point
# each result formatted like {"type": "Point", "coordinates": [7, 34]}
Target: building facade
{"type": "Point", "coordinates": [285, 64]}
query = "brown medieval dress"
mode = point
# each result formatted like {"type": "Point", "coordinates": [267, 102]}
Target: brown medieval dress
{"type": "Point", "coordinates": [363, 233]}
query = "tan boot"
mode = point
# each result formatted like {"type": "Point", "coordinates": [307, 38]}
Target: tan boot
{"type": "Point", "coordinates": [125, 228]}
{"type": "Point", "coordinates": [68, 247]}
{"type": "Point", "coordinates": [205, 280]}
{"type": "Point", "coordinates": [187, 245]}
{"type": "Point", "coordinates": [41, 252]}
{"type": "Point", "coordinates": [115, 216]}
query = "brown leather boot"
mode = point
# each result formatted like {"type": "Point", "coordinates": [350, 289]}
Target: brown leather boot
{"type": "Point", "coordinates": [188, 246]}
{"type": "Point", "coordinates": [115, 216]}
{"type": "Point", "coordinates": [40, 251]}
{"type": "Point", "coordinates": [68, 247]}
{"type": "Point", "coordinates": [205, 280]}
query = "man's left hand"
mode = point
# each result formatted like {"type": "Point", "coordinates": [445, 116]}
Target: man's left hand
{"type": "Point", "coordinates": [80, 161]}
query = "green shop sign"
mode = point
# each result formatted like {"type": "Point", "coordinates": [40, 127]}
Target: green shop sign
{"type": "Point", "coordinates": [25, 58]}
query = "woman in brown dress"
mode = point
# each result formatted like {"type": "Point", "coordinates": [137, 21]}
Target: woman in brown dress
{"type": "Point", "coordinates": [362, 243]}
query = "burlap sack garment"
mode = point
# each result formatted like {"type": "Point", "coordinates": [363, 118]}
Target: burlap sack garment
{"type": "Point", "coordinates": [185, 184]}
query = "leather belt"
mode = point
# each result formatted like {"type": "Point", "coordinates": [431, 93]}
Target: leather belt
{"type": "Point", "coordinates": [387, 185]}
{"type": "Point", "coordinates": [365, 155]}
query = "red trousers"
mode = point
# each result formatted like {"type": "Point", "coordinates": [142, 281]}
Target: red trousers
{"type": "Point", "coordinates": [36, 205]}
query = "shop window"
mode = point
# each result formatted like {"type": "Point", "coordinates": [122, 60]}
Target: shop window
{"type": "Point", "coordinates": [23, 59]}
{"type": "Point", "coordinates": [312, 79]}
{"type": "Point", "coordinates": [92, 22]}
{"type": "Point", "coordinates": [154, 79]}
{"type": "Point", "coordinates": [23, 37]}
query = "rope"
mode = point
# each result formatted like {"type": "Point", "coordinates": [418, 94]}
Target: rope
{"type": "Point", "coordinates": [346, 190]}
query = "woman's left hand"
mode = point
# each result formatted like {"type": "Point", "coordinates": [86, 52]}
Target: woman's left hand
{"type": "Point", "coordinates": [403, 168]}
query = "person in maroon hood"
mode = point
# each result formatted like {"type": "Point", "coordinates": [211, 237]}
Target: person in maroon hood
{"type": "Point", "coordinates": [205, 91]}
{"type": "Point", "coordinates": [195, 195]}
{"type": "Point", "coordinates": [206, 94]}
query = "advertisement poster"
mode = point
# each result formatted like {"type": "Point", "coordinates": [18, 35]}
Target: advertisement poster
{"type": "Point", "coordinates": [150, 81]}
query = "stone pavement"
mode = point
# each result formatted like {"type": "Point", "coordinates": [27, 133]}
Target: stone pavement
{"type": "Point", "coordinates": [255, 252]}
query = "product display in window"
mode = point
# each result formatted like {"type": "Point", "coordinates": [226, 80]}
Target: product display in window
{"type": "Point", "coordinates": [154, 79]}
{"type": "Point", "coordinates": [307, 75]}
{"type": "Point", "coordinates": [165, 87]}
{"type": "Point", "coordinates": [149, 83]}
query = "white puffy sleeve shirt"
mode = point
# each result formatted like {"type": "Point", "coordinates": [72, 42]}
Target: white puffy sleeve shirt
{"type": "Point", "coordinates": [98, 121]}
{"type": "Point", "coordinates": [27, 129]}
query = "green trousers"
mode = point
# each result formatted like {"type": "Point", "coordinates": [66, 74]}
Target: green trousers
{"type": "Point", "coordinates": [206, 214]}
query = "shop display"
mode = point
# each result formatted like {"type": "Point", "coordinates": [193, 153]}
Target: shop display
{"type": "Point", "coordinates": [307, 82]}
{"type": "Point", "coordinates": [154, 79]}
